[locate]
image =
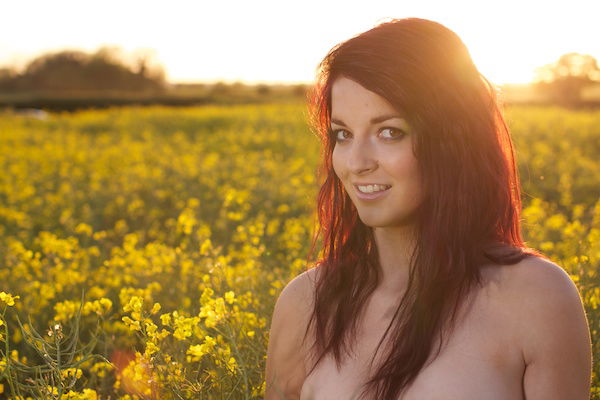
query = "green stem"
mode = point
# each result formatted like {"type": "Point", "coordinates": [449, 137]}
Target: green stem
{"type": "Point", "coordinates": [14, 390]}
{"type": "Point", "coordinates": [58, 365]}
{"type": "Point", "coordinates": [240, 361]}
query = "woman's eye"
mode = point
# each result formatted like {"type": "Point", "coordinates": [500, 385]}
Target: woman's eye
{"type": "Point", "coordinates": [340, 134]}
{"type": "Point", "coordinates": [391, 133]}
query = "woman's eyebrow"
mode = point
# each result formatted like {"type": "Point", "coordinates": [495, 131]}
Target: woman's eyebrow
{"type": "Point", "coordinates": [374, 120]}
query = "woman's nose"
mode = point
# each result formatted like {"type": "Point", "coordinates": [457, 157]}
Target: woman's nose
{"type": "Point", "coordinates": [361, 158]}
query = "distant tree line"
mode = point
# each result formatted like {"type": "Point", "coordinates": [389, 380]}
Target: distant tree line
{"type": "Point", "coordinates": [563, 81]}
{"type": "Point", "coordinates": [98, 77]}
{"type": "Point", "coordinates": [77, 71]}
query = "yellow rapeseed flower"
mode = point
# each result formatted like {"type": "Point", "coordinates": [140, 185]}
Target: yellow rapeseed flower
{"type": "Point", "coordinates": [8, 299]}
{"type": "Point", "coordinates": [100, 307]}
{"type": "Point", "coordinates": [133, 325]}
{"type": "Point", "coordinates": [211, 317]}
{"type": "Point", "coordinates": [230, 297]}
{"type": "Point", "coordinates": [165, 319]}
{"type": "Point", "coordinates": [155, 308]}
{"type": "Point", "coordinates": [53, 390]}
{"type": "Point", "coordinates": [100, 368]}
{"type": "Point", "coordinates": [183, 327]}
{"type": "Point", "coordinates": [195, 352]}
{"type": "Point", "coordinates": [150, 328]}
{"type": "Point", "coordinates": [205, 247]}
{"type": "Point", "coordinates": [135, 304]}
{"type": "Point", "coordinates": [151, 348]}
{"type": "Point", "coordinates": [84, 228]}
{"type": "Point", "coordinates": [65, 310]}
{"type": "Point", "coordinates": [231, 365]}
{"type": "Point", "coordinates": [72, 372]}
{"type": "Point", "coordinates": [206, 296]}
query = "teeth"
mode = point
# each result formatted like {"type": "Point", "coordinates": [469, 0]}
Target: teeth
{"type": "Point", "coordinates": [373, 188]}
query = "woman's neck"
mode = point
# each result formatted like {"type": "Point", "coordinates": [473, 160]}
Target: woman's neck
{"type": "Point", "coordinates": [394, 245]}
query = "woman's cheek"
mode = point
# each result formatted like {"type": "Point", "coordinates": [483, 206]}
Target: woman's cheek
{"type": "Point", "coordinates": [335, 161]}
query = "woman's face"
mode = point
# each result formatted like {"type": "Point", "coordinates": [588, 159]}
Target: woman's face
{"type": "Point", "coordinates": [373, 155]}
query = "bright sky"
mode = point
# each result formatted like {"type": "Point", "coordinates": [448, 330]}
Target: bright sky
{"type": "Point", "coordinates": [278, 40]}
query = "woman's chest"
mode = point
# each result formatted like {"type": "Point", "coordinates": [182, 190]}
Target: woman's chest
{"type": "Point", "coordinates": [480, 361]}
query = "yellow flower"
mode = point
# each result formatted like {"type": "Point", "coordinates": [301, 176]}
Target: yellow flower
{"type": "Point", "coordinates": [99, 369]}
{"type": "Point", "coordinates": [84, 228]}
{"type": "Point", "coordinates": [163, 334]}
{"type": "Point", "coordinates": [150, 328]}
{"type": "Point", "coordinates": [231, 364]}
{"type": "Point", "coordinates": [106, 304]}
{"type": "Point", "coordinates": [230, 297]}
{"type": "Point", "coordinates": [205, 247]}
{"type": "Point", "coordinates": [210, 315]}
{"type": "Point", "coordinates": [206, 296]}
{"type": "Point", "coordinates": [135, 304]}
{"type": "Point", "coordinates": [72, 372]}
{"type": "Point", "coordinates": [65, 310]}
{"type": "Point", "coordinates": [89, 394]}
{"type": "Point", "coordinates": [151, 348]}
{"type": "Point", "coordinates": [133, 325]}
{"type": "Point", "coordinates": [183, 327]}
{"type": "Point", "coordinates": [52, 390]}
{"type": "Point", "coordinates": [220, 307]}
{"type": "Point", "coordinates": [165, 319]}
{"type": "Point", "coordinates": [99, 307]}
{"type": "Point", "coordinates": [8, 299]}
{"type": "Point", "coordinates": [155, 308]}
{"type": "Point", "coordinates": [197, 351]}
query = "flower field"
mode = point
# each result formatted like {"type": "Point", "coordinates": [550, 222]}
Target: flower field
{"type": "Point", "coordinates": [142, 249]}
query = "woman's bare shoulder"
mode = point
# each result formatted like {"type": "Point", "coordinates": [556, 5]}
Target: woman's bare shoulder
{"type": "Point", "coordinates": [286, 355]}
{"type": "Point", "coordinates": [302, 287]}
{"type": "Point", "coordinates": [522, 280]}
{"type": "Point", "coordinates": [534, 278]}
{"type": "Point", "coordinates": [551, 327]}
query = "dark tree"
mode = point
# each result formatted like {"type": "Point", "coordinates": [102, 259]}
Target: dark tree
{"type": "Point", "coordinates": [263, 89]}
{"type": "Point", "coordinates": [7, 76]}
{"type": "Point", "coordinates": [562, 81]}
{"type": "Point", "coordinates": [72, 71]}
{"type": "Point", "coordinates": [300, 90]}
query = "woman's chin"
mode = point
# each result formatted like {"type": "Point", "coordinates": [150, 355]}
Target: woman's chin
{"type": "Point", "coordinates": [376, 221]}
{"type": "Point", "coordinates": [385, 221]}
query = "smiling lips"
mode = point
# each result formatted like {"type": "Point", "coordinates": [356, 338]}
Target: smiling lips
{"type": "Point", "coordinates": [372, 188]}
{"type": "Point", "coordinates": [371, 191]}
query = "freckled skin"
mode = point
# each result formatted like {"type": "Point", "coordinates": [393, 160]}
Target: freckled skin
{"type": "Point", "coordinates": [368, 153]}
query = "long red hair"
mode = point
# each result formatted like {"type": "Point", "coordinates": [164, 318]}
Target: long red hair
{"type": "Point", "coordinates": [471, 208]}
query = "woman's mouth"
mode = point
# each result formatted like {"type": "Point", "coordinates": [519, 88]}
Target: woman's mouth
{"type": "Point", "coordinates": [371, 191]}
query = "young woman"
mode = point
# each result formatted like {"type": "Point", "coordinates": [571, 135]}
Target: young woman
{"type": "Point", "coordinates": [425, 289]}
